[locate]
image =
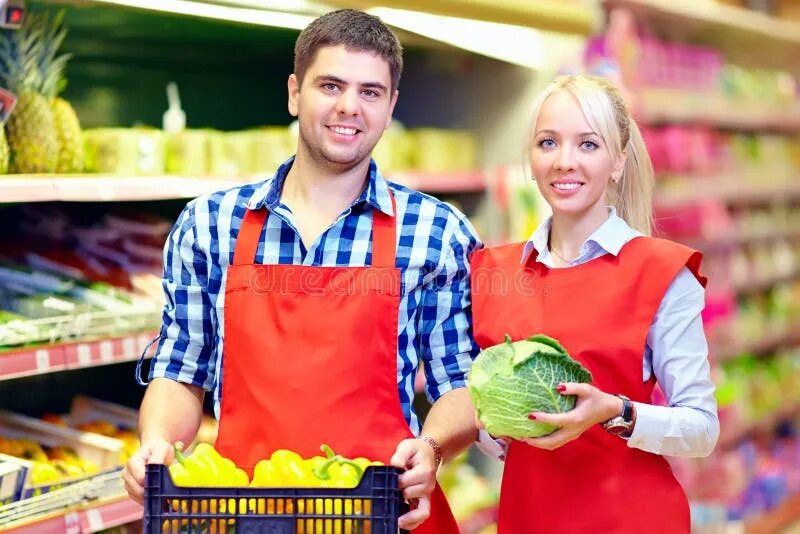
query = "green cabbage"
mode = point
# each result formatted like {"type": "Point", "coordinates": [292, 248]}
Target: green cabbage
{"type": "Point", "coordinates": [510, 380]}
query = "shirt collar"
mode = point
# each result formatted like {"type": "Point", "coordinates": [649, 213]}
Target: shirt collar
{"type": "Point", "coordinates": [611, 236]}
{"type": "Point", "coordinates": [267, 194]}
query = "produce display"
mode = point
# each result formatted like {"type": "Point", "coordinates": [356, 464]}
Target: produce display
{"type": "Point", "coordinates": [512, 379]}
{"type": "Point", "coordinates": [43, 132]}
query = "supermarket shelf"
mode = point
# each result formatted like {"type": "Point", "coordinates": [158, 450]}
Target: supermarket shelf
{"type": "Point", "coordinates": [108, 188]}
{"type": "Point", "coordinates": [689, 190]}
{"type": "Point", "coordinates": [659, 106]}
{"type": "Point", "coordinates": [105, 188]}
{"type": "Point", "coordinates": [551, 15]}
{"type": "Point", "coordinates": [765, 284]}
{"type": "Point", "coordinates": [765, 346]}
{"type": "Point", "coordinates": [68, 356]}
{"type": "Point", "coordinates": [743, 35]}
{"type": "Point", "coordinates": [777, 519]}
{"type": "Point", "coordinates": [727, 242]}
{"type": "Point", "coordinates": [456, 182]}
{"type": "Point", "coordinates": [732, 437]}
{"type": "Point", "coordinates": [95, 517]}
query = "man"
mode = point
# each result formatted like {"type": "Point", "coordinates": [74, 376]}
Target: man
{"type": "Point", "coordinates": [327, 286]}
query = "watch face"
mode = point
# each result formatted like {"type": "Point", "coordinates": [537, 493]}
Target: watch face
{"type": "Point", "coordinates": [617, 426]}
{"type": "Point", "coordinates": [617, 429]}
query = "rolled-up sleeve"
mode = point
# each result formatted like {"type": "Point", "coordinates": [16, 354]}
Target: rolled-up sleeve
{"type": "Point", "coordinates": [186, 351]}
{"type": "Point", "coordinates": [689, 425]}
{"type": "Point", "coordinates": [447, 344]}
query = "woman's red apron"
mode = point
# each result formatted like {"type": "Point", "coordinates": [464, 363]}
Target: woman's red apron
{"type": "Point", "coordinates": [601, 311]}
{"type": "Point", "coordinates": [311, 357]}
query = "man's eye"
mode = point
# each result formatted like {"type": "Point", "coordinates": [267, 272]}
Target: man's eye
{"type": "Point", "coordinates": [330, 87]}
{"type": "Point", "coordinates": [369, 93]}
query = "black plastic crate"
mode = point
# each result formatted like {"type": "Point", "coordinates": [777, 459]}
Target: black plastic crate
{"type": "Point", "coordinates": [370, 508]}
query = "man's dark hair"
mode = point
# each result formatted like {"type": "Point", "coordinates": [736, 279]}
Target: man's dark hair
{"type": "Point", "coordinates": [355, 30]}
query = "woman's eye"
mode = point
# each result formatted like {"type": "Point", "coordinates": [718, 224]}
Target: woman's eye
{"type": "Point", "coordinates": [590, 145]}
{"type": "Point", "coordinates": [547, 143]}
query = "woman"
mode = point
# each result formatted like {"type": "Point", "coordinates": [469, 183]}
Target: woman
{"type": "Point", "coordinates": [626, 305]}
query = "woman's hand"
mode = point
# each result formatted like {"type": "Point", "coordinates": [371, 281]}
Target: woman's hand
{"type": "Point", "coordinates": [591, 408]}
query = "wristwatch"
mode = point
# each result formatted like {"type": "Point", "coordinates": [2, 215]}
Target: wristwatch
{"type": "Point", "coordinates": [621, 425]}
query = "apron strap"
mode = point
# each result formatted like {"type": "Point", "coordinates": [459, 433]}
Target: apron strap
{"type": "Point", "coordinates": [246, 247]}
{"type": "Point", "coordinates": [384, 241]}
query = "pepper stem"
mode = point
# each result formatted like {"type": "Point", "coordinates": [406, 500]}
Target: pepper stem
{"type": "Point", "coordinates": [179, 453]}
{"type": "Point", "coordinates": [327, 450]}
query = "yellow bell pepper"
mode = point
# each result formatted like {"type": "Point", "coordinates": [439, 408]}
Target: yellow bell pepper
{"type": "Point", "coordinates": [205, 467]}
{"type": "Point", "coordinates": [294, 471]}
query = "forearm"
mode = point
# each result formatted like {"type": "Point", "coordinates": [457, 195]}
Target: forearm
{"type": "Point", "coordinates": [451, 422]}
{"type": "Point", "coordinates": [170, 411]}
{"type": "Point", "coordinates": [674, 431]}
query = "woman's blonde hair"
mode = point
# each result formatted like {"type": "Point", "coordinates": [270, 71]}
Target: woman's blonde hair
{"type": "Point", "coordinates": [607, 114]}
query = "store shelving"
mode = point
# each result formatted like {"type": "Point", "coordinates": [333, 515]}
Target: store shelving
{"type": "Point", "coordinates": [728, 190]}
{"type": "Point", "coordinates": [110, 188]}
{"type": "Point", "coordinates": [735, 240]}
{"type": "Point", "coordinates": [657, 106]}
{"type": "Point", "coordinates": [777, 519]}
{"type": "Point", "coordinates": [81, 188]}
{"type": "Point", "coordinates": [786, 337]}
{"type": "Point", "coordinates": [94, 517]}
{"type": "Point", "coordinates": [759, 285]}
{"type": "Point", "coordinates": [741, 34]}
{"type": "Point", "coordinates": [455, 182]}
{"type": "Point", "coordinates": [76, 355]}
{"type": "Point", "coordinates": [734, 434]}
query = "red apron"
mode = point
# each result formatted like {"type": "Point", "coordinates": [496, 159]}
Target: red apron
{"type": "Point", "coordinates": [311, 357]}
{"type": "Point", "coordinates": [601, 311]}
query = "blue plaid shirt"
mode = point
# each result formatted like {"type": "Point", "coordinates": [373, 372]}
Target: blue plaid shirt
{"type": "Point", "coordinates": [434, 243]}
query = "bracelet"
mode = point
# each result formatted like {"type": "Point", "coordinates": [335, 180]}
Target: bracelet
{"type": "Point", "coordinates": [437, 449]}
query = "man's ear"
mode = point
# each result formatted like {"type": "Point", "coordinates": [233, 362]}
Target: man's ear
{"type": "Point", "coordinates": [391, 109]}
{"type": "Point", "coordinates": [293, 85]}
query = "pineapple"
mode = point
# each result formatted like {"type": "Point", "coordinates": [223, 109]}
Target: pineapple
{"type": "Point", "coordinates": [30, 128]}
{"type": "Point", "coordinates": [67, 126]}
{"type": "Point", "coordinates": [3, 151]}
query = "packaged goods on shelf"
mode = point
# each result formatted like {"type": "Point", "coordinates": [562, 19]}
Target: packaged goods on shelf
{"type": "Point", "coordinates": [187, 153]}
{"type": "Point", "coordinates": [124, 151]}
{"type": "Point", "coordinates": [395, 150]}
{"type": "Point", "coordinates": [104, 418]}
{"type": "Point", "coordinates": [56, 455]}
{"type": "Point", "coordinates": [13, 474]}
{"type": "Point", "coordinates": [439, 150]}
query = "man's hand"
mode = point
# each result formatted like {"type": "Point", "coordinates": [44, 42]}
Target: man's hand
{"type": "Point", "coordinates": [419, 480]}
{"type": "Point", "coordinates": [154, 452]}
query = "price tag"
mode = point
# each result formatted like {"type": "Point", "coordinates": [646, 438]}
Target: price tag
{"type": "Point", "coordinates": [95, 520]}
{"type": "Point", "coordinates": [72, 523]}
{"type": "Point", "coordinates": [84, 354]}
{"type": "Point", "coordinates": [42, 360]}
{"type": "Point", "coordinates": [129, 348]}
{"type": "Point", "coordinates": [106, 351]}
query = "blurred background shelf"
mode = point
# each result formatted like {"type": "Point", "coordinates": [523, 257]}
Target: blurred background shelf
{"type": "Point", "coordinates": [91, 518]}
{"type": "Point", "coordinates": [17, 363]}
{"type": "Point", "coordinates": [744, 35]}
{"type": "Point", "coordinates": [671, 106]}
{"type": "Point", "coordinates": [110, 188]}
{"type": "Point", "coordinates": [787, 337]}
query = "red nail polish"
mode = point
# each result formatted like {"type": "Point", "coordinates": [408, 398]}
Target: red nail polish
{"type": "Point", "coordinates": [531, 417]}
{"type": "Point", "coordinates": [561, 387]}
